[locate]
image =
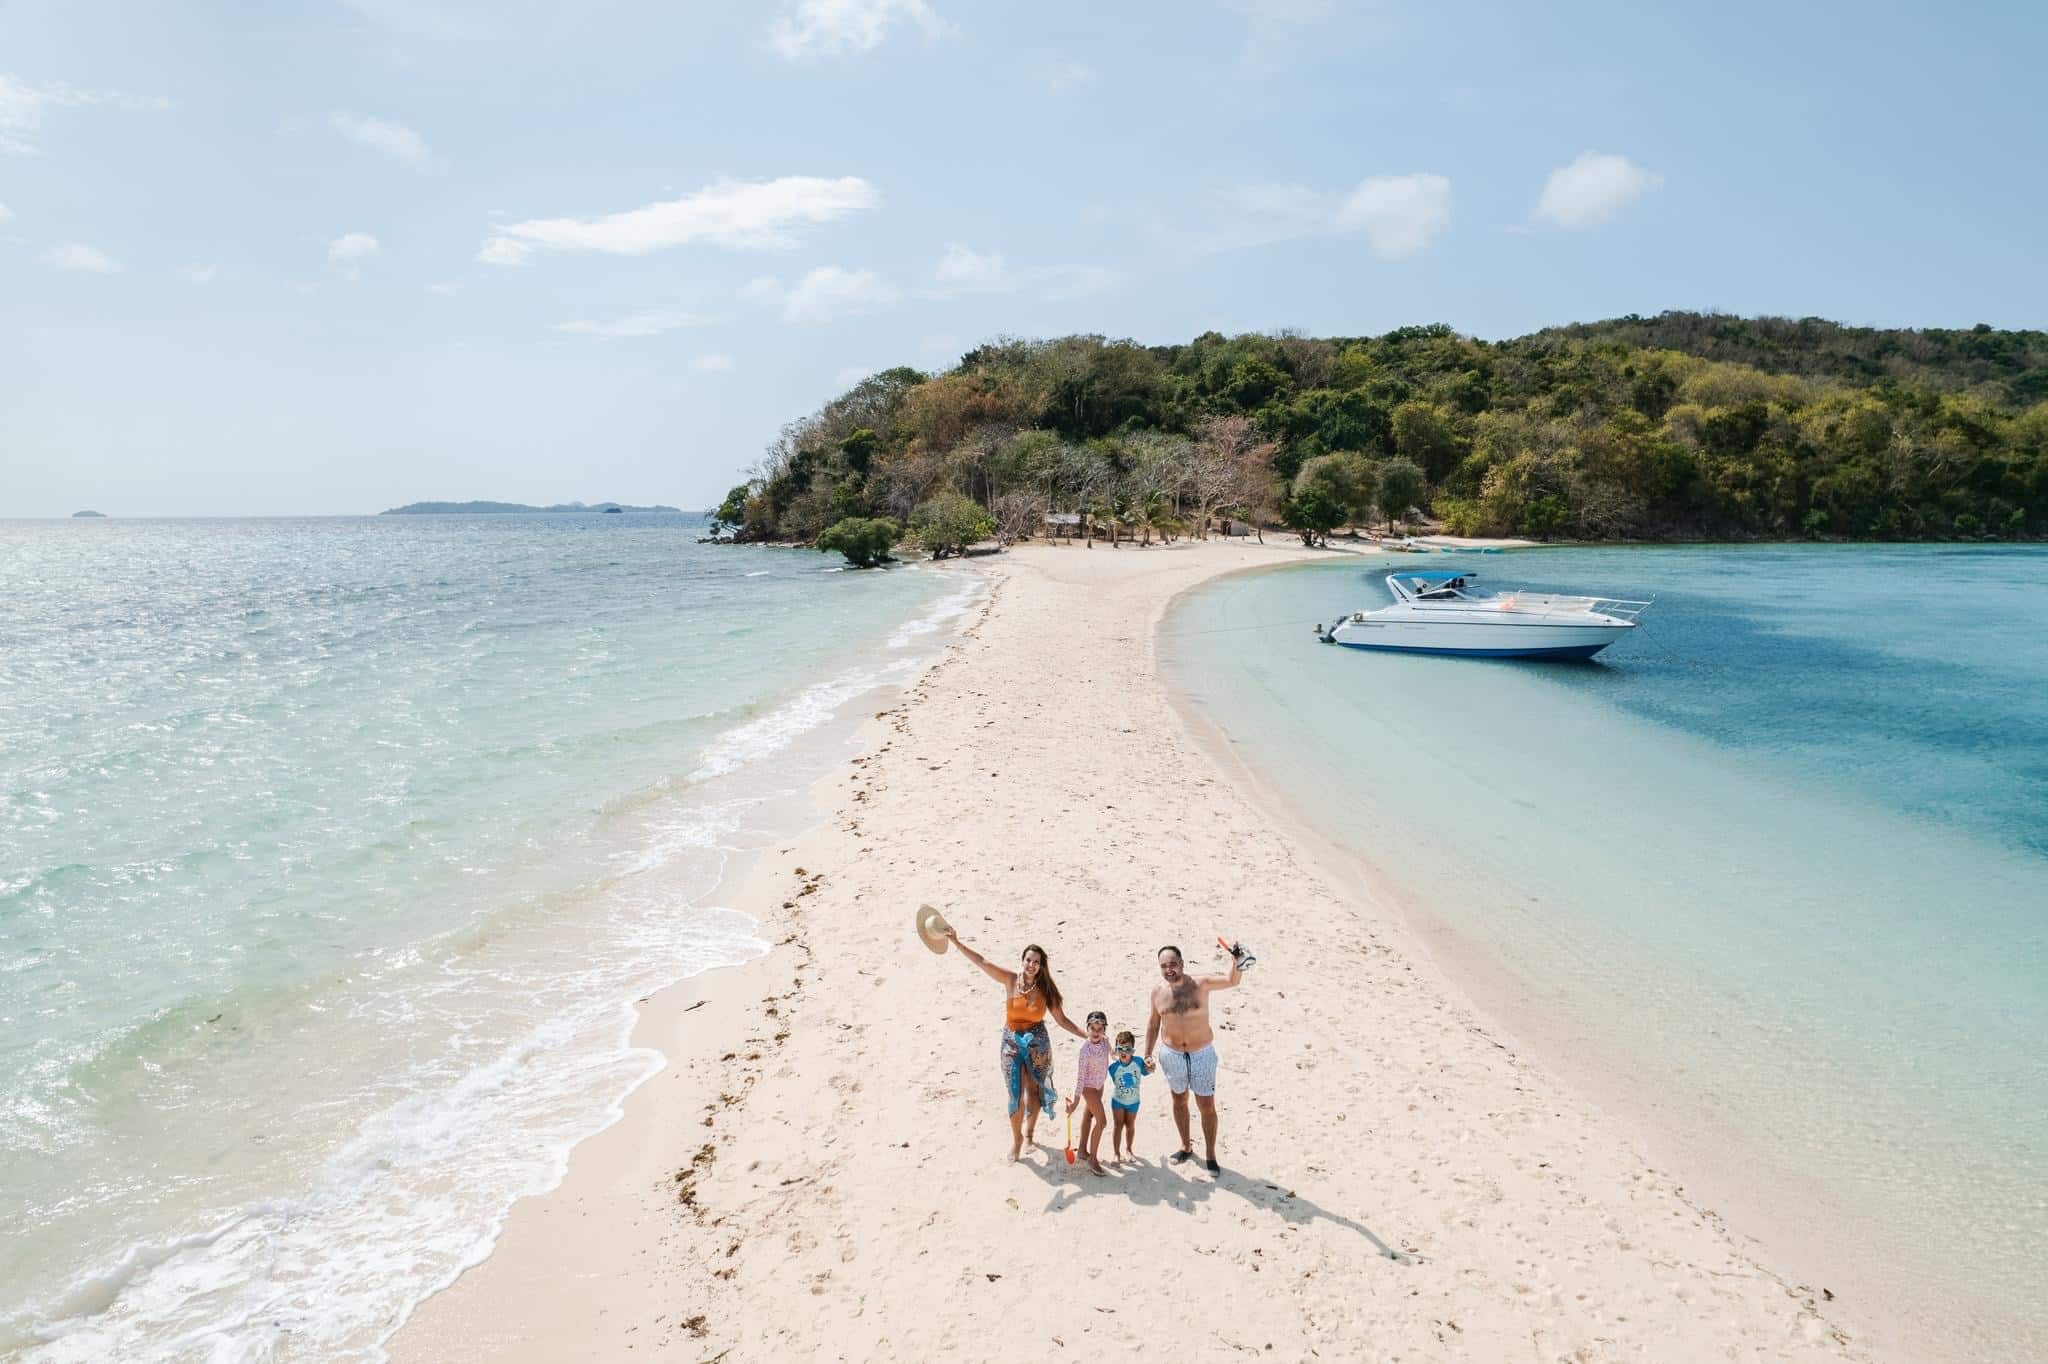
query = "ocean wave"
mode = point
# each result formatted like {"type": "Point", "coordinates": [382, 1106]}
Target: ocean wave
{"type": "Point", "coordinates": [417, 1196]}
{"type": "Point", "coordinates": [816, 704]}
{"type": "Point", "coordinates": [948, 611]}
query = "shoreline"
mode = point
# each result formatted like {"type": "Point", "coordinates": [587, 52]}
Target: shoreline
{"type": "Point", "coordinates": [722, 1208]}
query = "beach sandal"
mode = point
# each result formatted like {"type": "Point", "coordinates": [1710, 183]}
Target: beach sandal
{"type": "Point", "coordinates": [1214, 1168]}
{"type": "Point", "coordinates": [1181, 1157]}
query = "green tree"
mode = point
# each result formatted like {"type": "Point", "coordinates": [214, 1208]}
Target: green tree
{"type": "Point", "coordinates": [1253, 381]}
{"type": "Point", "coordinates": [859, 447]}
{"type": "Point", "coordinates": [1112, 509]}
{"type": "Point", "coordinates": [1401, 486]}
{"type": "Point", "coordinates": [1350, 480]}
{"type": "Point", "coordinates": [1423, 433]}
{"type": "Point", "coordinates": [865, 541]}
{"type": "Point", "coordinates": [732, 513]}
{"type": "Point", "coordinates": [1312, 513]}
{"type": "Point", "coordinates": [948, 523]}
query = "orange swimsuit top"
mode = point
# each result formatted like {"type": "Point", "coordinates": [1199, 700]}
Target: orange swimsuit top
{"type": "Point", "coordinates": [1025, 1012]}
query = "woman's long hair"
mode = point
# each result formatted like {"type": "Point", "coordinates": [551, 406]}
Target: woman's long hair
{"type": "Point", "coordinates": [1045, 984]}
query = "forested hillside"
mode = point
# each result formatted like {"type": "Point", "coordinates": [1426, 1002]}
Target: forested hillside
{"type": "Point", "coordinates": [1678, 426]}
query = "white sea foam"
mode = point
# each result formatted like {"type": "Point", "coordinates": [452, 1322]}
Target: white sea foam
{"type": "Point", "coordinates": [818, 703]}
{"type": "Point", "coordinates": [948, 612]}
{"type": "Point", "coordinates": [418, 1195]}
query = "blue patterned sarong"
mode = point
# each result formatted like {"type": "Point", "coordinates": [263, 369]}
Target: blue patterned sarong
{"type": "Point", "coordinates": [1028, 1053]}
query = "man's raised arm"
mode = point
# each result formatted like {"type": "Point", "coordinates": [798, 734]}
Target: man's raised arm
{"type": "Point", "coordinates": [1224, 982]}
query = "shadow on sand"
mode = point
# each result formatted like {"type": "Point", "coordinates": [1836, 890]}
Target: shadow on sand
{"type": "Point", "coordinates": [1161, 1184]}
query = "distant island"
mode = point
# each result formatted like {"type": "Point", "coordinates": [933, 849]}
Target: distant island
{"type": "Point", "coordinates": [492, 508]}
{"type": "Point", "coordinates": [1683, 426]}
{"type": "Point", "coordinates": [101, 515]}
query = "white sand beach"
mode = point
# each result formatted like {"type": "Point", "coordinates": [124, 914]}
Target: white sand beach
{"type": "Point", "coordinates": [821, 1171]}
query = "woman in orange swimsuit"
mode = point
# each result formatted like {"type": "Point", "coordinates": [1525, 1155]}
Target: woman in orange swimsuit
{"type": "Point", "coordinates": [1029, 994]}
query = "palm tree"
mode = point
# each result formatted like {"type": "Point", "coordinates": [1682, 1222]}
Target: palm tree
{"type": "Point", "coordinates": [1113, 510]}
{"type": "Point", "coordinates": [1156, 512]}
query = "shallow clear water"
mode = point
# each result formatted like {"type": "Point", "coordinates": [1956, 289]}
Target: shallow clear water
{"type": "Point", "coordinates": [332, 854]}
{"type": "Point", "coordinates": [1773, 870]}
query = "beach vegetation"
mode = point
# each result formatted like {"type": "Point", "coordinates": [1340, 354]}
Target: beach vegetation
{"type": "Point", "coordinates": [864, 540]}
{"type": "Point", "coordinates": [1685, 425]}
{"type": "Point", "coordinates": [946, 524]}
{"type": "Point", "coordinates": [1312, 512]}
{"type": "Point", "coordinates": [1402, 488]}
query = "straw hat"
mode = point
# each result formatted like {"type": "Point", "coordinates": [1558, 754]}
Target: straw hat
{"type": "Point", "coordinates": [932, 928]}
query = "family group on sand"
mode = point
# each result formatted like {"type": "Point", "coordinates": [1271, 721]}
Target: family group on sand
{"type": "Point", "coordinates": [1179, 1042]}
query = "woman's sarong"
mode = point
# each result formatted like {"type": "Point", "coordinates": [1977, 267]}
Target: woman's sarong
{"type": "Point", "coordinates": [1026, 1056]}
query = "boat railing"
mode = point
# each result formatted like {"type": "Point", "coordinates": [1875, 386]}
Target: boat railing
{"type": "Point", "coordinates": [1619, 607]}
{"type": "Point", "coordinates": [1548, 604]}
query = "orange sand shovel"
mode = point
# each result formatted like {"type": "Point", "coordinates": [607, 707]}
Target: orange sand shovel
{"type": "Point", "coordinates": [1070, 1136]}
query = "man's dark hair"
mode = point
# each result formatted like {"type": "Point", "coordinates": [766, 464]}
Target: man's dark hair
{"type": "Point", "coordinates": [1171, 948]}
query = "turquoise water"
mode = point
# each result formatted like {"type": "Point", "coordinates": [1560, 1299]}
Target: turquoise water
{"type": "Point", "coordinates": [1773, 872]}
{"type": "Point", "coordinates": [332, 854]}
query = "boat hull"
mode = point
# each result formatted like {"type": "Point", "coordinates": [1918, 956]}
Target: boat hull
{"type": "Point", "coordinates": [1548, 639]}
{"type": "Point", "coordinates": [1565, 651]}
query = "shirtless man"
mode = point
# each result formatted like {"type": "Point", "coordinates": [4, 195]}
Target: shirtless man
{"type": "Point", "coordinates": [1180, 1005]}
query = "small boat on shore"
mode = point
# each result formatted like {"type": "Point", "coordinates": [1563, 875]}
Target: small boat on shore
{"type": "Point", "coordinates": [1438, 611]}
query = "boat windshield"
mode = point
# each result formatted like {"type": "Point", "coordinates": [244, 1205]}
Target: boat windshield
{"type": "Point", "coordinates": [1456, 589]}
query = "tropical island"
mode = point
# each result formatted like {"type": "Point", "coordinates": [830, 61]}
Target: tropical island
{"type": "Point", "coordinates": [89, 515]}
{"type": "Point", "coordinates": [1683, 426]}
{"type": "Point", "coordinates": [510, 508]}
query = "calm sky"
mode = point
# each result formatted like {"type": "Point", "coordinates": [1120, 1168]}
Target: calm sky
{"type": "Point", "coordinates": [330, 257]}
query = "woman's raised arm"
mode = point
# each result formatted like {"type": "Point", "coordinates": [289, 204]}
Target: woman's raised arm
{"type": "Point", "coordinates": [1060, 1015]}
{"type": "Point", "coordinates": [1006, 979]}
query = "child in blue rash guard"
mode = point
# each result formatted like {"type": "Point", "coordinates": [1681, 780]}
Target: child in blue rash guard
{"type": "Point", "coordinates": [1125, 1070]}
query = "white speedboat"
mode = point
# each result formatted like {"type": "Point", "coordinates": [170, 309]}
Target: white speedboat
{"type": "Point", "coordinates": [1441, 612]}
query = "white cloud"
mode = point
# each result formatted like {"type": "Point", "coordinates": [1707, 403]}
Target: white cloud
{"type": "Point", "coordinates": [825, 293]}
{"type": "Point", "coordinates": [198, 274]}
{"type": "Point", "coordinates": [5, 213]}
{"type": "Point", "coordinates": [738, 214]}
{"type": "Point", "coordinates": [22, 107]}
{"type": "Point", "coordinates": [347, 252]}
{"type": "Point", "coordinates": [1593, 188]}
{"type": "Point", "coordinates": [962, 271]}
{"type": "Point", "coordinates": [635, 324]}
{"type": "Point", "coordinates": [842, 28]}
{"type": "Point", "coordinates": [712, 364]}
{"type": "Point", "coordinates": [1399, 214]}
{"type": "Point", "coordinates": [444, 287]}
{"type": "Point", "coordinates": [504, 251]}
{"type": "Point", "coordinates": [1069, 76]}
{"type": "Point", "coordinates": [78, 257]}
{"type": "Point", "coordinates": [393, 141]}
